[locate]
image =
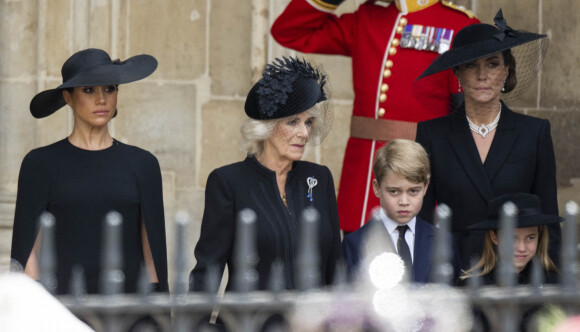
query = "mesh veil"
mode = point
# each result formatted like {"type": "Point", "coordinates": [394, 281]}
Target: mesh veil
{"type": "Point", "coordinates": [290, 86]}
{"type": "Point", "coordinates": [529, 58]}
{"type": "Point", "coordinates": [325, 113]}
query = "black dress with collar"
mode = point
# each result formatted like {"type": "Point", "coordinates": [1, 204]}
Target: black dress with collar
{"type": "Point", "coordinates": [520, 159]}
{"type": "Point", "coordinates": [248, 184]}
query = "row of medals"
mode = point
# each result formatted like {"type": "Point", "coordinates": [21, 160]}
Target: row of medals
{"type": "Point", "coordinates": [426, 38]}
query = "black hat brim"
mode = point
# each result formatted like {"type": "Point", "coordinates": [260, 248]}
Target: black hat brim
{"type": "Point", "coordinates": [539, 219]}
{"type": "Point", "coordinates": [305, 94]}
{"type": "Point", "coordinates": [133, 69]}
{"type": "Point", "coordinates": [471, 52]}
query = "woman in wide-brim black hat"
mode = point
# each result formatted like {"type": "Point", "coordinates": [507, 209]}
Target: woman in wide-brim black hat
{"type": "Point", "coordinates": [288, 109]}
{"type": "Point", "coordinates": [83, 177]}
{"type": "Point", "coordinates": [484, 149]}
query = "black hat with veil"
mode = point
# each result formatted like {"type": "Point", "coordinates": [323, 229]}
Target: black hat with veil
{"type": "Point", "coordinates": [291, 86]}
{"type": "Point", "coordinates": [481, 40]}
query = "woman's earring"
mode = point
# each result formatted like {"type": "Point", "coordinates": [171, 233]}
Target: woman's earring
{"type": "Point", "coordinates": [459, 86]}
{"type": "Point", "coordinates": [503, 88]}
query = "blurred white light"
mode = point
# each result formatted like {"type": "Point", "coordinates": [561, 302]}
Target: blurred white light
{"type": "Point", "coordinates": [398, 307]}
{"type": "Point", "coordinates": [386, 270]}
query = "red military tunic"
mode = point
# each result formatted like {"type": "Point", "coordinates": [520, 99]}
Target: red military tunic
{"type": "Point", "coordinates": [383, 75]}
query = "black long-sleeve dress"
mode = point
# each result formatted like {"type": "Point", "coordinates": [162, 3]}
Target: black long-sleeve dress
{"type": "Point", "coordinates": [248, 184]}
{"type": "Point", "coordinates": [79, 187]}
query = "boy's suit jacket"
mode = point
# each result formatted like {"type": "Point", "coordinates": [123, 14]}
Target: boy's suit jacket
{"type": "Point", "coordinates": [352, 246]}
{"type": "Point", "coordinates": [520, 159]}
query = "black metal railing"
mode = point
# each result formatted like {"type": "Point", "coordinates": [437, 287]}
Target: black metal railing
{"type": "Point", "coordinates": [355, 307]}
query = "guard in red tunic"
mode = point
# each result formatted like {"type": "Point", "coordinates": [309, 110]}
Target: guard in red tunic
{"type": "Point", "coordinates": [391, 44]}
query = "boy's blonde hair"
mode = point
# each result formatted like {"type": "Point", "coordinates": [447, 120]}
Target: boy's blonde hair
{"type": "Point", "coordinates": [405, 158]}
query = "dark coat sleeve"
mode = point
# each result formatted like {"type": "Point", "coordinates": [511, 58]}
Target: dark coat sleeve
{"type": "Point", "coordinates": [545, 187]}
{"type": "Point", "coordinates": [351, 252]}
{"type": "Point", "coordinates": [455, 260]}
{"type": "Point", "coordinates": [333, 215]}
{"type": "Point", "coordinates": [32, 199]}
{"type": "Point", "coordinates": [152, 211]}
{"type": "Point", "coordinates": [428, 208]}
{"type": "Point", "coordinates": [217, 230]}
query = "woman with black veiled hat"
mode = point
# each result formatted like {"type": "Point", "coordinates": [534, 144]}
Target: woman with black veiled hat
{"type": "Point", "coordinates": [88, 174]}
{"type": "Point", "coordinates": [484, 149]}
{"type": "Point", "coordinates": [288, 108]}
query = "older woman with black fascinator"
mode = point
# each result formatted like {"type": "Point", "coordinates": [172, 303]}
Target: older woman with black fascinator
{"type": "Point", "coordinates": [485, 149]}
{"type": "Point", "coordinates": [88, 174]}
{"type": "Point", "coordinates": [288, 108]}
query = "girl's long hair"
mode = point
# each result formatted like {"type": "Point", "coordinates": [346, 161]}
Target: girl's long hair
{"type": "Point", "coordinates": [489, 255]}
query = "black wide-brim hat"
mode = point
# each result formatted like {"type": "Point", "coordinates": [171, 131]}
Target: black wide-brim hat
{"type": "Point", "coordinates": [478, 41]}
{"type": "Point", "coordinates": [91, 67]}
{"type": "Point", "coordinates": [529, 212]}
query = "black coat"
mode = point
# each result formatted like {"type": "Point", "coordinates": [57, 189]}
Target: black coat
{"type": "Point", "coordinates": [520, 159]}
{"type": "Point", "coordinates": [524, 277]}
{"type": "Point", "coordinates": [526, 315]}
{"type": "Point", "coordinates": [79, 187]}
{"type": "Point", "coordinates": [248, 184]}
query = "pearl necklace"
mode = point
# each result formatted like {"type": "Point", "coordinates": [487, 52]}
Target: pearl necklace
{"type": "Point", "coordinates": [483, 130]}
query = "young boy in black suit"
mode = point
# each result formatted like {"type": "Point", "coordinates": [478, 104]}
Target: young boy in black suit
{"type": "Point", "coordinates": [402, 172]}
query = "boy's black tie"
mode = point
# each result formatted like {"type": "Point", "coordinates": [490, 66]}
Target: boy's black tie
{"type": "Point", "coordinates": [403, 248]}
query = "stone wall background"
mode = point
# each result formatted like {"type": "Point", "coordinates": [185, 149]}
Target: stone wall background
{"type": "Point", "coordinates": [189, 111]}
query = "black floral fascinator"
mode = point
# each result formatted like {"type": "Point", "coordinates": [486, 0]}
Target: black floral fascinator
{"type": "Point", "coordinates": [481, 40]}
{"type": "Point", "coordinates": [291, 86]}
{"type": "Point", "coordinates": [91, 67]}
